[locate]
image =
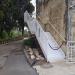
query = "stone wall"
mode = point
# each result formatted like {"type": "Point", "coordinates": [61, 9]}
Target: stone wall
{"type": "Point", "coordinates": [52, 17]}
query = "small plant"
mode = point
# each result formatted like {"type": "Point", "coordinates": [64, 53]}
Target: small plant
{"type": "Point", "coordinates": [28, 42]}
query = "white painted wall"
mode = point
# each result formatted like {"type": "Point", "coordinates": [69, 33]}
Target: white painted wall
{"type": "Point", "coordinates": [44, 39]}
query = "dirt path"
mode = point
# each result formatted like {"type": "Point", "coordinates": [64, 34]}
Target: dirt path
{"type": "Point", "coordinates": [15, 62]}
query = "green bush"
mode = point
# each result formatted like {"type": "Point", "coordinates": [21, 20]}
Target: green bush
{"type": "Point", "coordinates": [15, 33]}
{"type": "Point", "coordinates": [28, 42]}
{"type": "Point", "coordinates": [4, 35]}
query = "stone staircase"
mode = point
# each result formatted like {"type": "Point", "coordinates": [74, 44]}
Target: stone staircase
{"type": "Point", "coordinates": [45, 39]}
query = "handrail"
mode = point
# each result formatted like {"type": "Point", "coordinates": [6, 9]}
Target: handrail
{"type": "Point", "coordinates": [56, 48]}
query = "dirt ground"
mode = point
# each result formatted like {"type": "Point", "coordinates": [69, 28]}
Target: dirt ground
{"type": "Point", "coordinates": [6, 49]}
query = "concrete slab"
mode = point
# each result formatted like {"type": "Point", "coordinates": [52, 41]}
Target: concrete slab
{"type": "Point", "coordinates": [17, 65]}
{"type": "Point", "coordinates": [60, 68]}
{"type": "Point", "coordinates": [2, 61]}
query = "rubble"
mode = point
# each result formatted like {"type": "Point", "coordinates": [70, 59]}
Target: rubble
{"type": "Point", "coordinates": [34, 56]}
